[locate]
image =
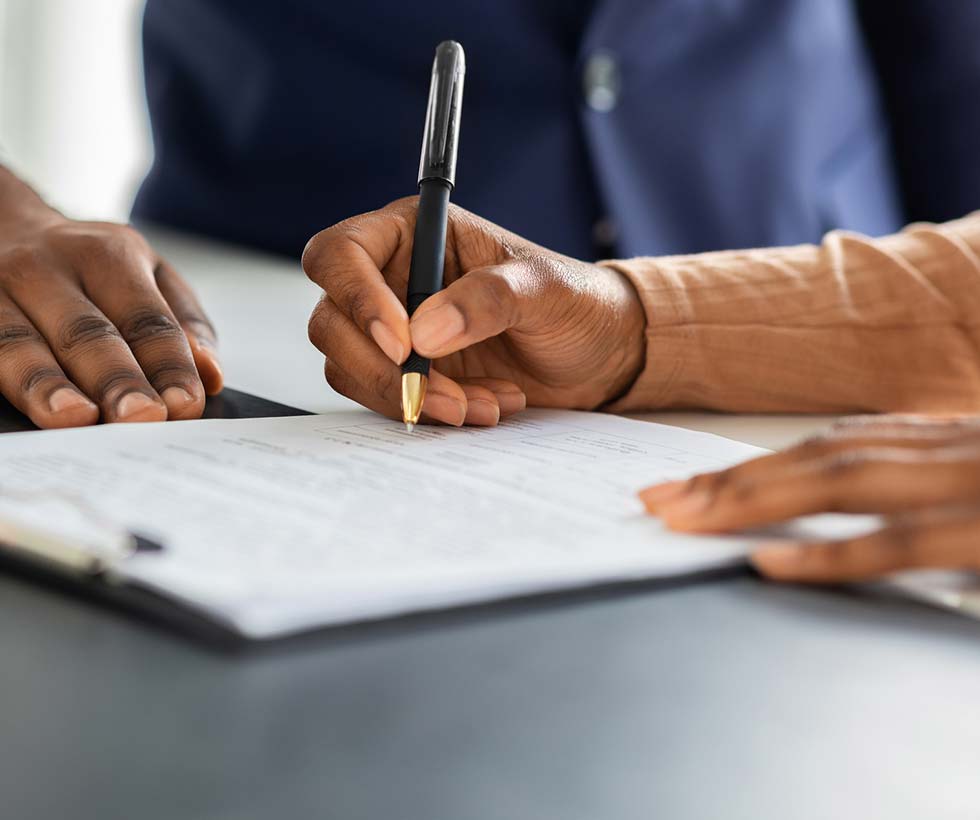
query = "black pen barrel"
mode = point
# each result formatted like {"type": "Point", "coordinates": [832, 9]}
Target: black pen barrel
{"type": "Point", "coordinates": [428, 255]}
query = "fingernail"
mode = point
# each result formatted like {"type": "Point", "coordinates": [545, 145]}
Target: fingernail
{"type": "Point", "coordinates": [444, 408]}
{"type": "Point", "coordinates": [387, 341]}
{"type": "Point", "coordinates": [64, 398]}
{"type": "Point", "coordinates": [434, 329]}
{"type": "Point", "coordinates": [510, 403]}
{"type": "Point", "coordinates": [176, 399]}
{"type": "Point", "coordinates": [653, 497]}
{"type": "Point", "coordinates": [482, 413]}
{"type": "Point", "coordinates": [133, 406]}
{"type": "Point", "coordinates": [777, 557]}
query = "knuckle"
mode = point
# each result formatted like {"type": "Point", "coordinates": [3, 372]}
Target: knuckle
{"type": "Point", "coordinates": [402, 214]}
{"type": "Point", "coordinates": [325, 275]}
{"type": "Point", "coordinates": [722, 480]}
{"type": "Point", "coordinates": [96, 248]}
{"type": "Point", "coordinates": [714, 483]}
{"type": "Point", "coordinates": [15, 335]}
{"type": "Point", "coordinates": [359, 306]}
{"type": "Point", "coordinates": [404, 219]}
{"type": "Point", "coordinates": [410, 204]}
{"type": "Point", "coordinates": [313, 251]}
{"type": "Point", "coordinates": [170, 372]}
{"type": "Point", "coordinates": [386, 381]}
{"type": "Point", "coordinates": [843, 465]}
{"type": "Point", "coordinates": [110, 240]}
{"type": "Point", "coordinates": [701, 483]}
{"type": "Point", "coordinates": [840, 473]}
{"type": "Point", "coordinates": [128, 235]}
{"type": "Point", "coordinates": [113, 255]}
{"type": "Point", "coordinates": [498, 291]}
{"type": "Point", "coordinates": [149, 325]}
{"type": "Point", "coordinates": [84, 331]}
{"type": "Point", "coordinates": [200, 326]}
{"type": "Point", "coordinates": [318, 255]}
{"type": "Point", "coordinates": [320, 259]}
{"type": "Point", "coordinates": [314, 328]}
{"type": "Point", "coordinates": [402, 210]}
{"type": "Point", "coordinates": [116, 380]}
{"type": "Point", "coordinates": [336, 378]}
{"type": "Point", "coordinates": [35, 377]}
{"type": "Point", "coordinates": [322, 325]}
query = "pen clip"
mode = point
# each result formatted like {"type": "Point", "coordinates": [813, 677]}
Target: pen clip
{"type": "Point", "coordinates": [442, 114]}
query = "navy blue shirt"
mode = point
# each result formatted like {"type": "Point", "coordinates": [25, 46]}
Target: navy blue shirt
{"type": "Point", "coordinates": [594, 127]}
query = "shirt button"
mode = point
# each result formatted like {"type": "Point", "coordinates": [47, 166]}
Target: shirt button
{"type": "Point", "coordinates": [601, 82]}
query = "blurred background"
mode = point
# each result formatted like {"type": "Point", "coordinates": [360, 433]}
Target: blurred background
{"type": "Point", "coordinates": [72, 112]}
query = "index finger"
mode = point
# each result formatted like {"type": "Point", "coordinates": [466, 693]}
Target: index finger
{"type": "Point", "coordinates": [839, 440]}
{"type": "Point", "coordinates": [347, 260]}
{"type": "Point", "coordinates": [874, 481]}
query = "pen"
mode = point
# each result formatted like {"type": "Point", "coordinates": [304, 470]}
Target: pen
{"type": "Point", "coordinates": [437, 177]}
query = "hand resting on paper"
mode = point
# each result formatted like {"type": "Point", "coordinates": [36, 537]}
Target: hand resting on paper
{"type": "Point", "coordinates": [922, 473]}
{"type": "Point", "coordinates": [93, 323]}
{"type": "Point", "coordinates": [516, 324]}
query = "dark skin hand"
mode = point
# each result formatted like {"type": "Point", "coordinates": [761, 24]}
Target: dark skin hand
{"type": "Point", "coordinates": [922, 473]}
{"type": "Point", "coordinates": [93, 323]}
{"type": "Point", "coordinates": [515, 325]}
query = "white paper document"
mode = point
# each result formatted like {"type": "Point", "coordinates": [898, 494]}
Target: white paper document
{"type": "Point", "coordinates": [272, 526]}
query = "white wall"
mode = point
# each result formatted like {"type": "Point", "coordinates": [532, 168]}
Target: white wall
{"type": "Point", "coordinates": [72, 111]}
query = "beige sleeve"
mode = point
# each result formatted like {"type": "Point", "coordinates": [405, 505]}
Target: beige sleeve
{"type": "Point", "coordinates": [854, 324]}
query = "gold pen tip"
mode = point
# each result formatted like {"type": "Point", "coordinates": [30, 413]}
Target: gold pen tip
{"type": "Point", "coordinates": [413, 394]}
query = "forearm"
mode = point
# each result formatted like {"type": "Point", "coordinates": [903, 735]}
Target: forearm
{"type": "Point", "coordinates": [850, 325]}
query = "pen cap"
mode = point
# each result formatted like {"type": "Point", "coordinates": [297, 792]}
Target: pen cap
{"type": "Point", "coordinates": [441, 134]}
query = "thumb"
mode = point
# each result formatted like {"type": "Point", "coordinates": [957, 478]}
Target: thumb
{"type": "Point", "coordinates": [483, 303]}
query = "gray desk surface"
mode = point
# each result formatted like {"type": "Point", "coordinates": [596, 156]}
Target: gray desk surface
{"type": "Point", "coordinates": [727, 698]}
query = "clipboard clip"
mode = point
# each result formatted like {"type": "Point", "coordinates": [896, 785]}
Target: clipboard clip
{"type": "Point", "coordinates": [77, 555]}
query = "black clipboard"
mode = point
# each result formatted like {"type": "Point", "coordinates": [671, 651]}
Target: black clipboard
{"type": "Point", "coordinates": [131, 597]}
{"type": "Point", "coordinates": [229, 404]}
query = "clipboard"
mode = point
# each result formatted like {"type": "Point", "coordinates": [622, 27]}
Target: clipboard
{"type": "Point", "coordinates": [228, 404]}
{"type": "Point", "coordinates": [89, 576]}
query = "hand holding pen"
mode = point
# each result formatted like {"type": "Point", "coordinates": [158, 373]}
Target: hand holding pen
{"type": "Point", "coordinates": [516, 324]}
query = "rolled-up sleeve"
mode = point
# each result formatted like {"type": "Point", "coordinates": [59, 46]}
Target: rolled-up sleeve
{"type": "Point", "coordinates": [850, 325]}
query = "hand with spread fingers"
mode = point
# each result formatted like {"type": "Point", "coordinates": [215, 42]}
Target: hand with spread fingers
{"type": "Point", "coordinates": [93, 324]}
{"type": "Point", "coordinates": [922, 473]}
{"type": "Point", "coordinates": [516, 324]}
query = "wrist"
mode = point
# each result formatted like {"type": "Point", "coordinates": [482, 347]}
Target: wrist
{"type": "Point", "coordinates": [629, 327]}
{"type": "Point", "coordinates": [21, 207]}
